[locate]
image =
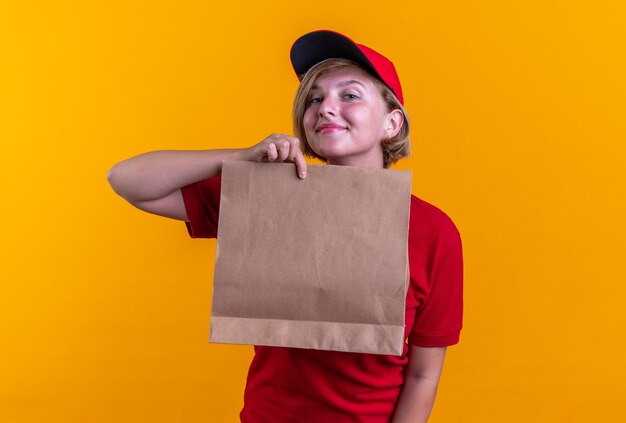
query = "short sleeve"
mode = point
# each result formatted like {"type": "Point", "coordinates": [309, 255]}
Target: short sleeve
{"type": "Point", "coordinates": [438, 320]}
{"type": "Point", "coordinates": [202, 203]}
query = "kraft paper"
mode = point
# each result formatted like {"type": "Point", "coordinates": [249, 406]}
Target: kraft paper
{"type": "Point", "coordinates": [317, 263]}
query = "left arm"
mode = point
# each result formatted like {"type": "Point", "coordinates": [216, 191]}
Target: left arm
{"type": "Point", "coordinates": [420, 384]}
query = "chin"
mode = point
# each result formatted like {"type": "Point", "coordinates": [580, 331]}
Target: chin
{"type": "Point", "coordinates": [331, 149]}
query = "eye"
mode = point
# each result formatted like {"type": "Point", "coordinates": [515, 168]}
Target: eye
{"type": "Point", "coordinates": [350, 96]}
{"type": "Point", "coordinates": [315, 100]}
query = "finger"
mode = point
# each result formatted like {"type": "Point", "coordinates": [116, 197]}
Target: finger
{"type": "Point", "coordinates": [300, 165]}
{"type": "Point", "coordinates": [271, 152]}
{"type": "Point", "coordinates": [294, 148]}
{"type": "Point", "coordinates": [283, 150]}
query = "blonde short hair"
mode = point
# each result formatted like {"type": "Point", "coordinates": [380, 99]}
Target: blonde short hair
{"type": "Point", "coordinates": [394, 148]}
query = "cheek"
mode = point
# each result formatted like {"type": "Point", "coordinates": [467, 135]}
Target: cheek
{"type": "Point", "coordinates": [308, 121]}
{"type": "Point", "coordinates": [360, 117]}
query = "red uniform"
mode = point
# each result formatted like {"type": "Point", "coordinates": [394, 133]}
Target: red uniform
{"type": "Point", "coordinates": [299, 385]}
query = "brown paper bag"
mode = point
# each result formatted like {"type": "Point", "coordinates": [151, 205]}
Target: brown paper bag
{"type": "Point", "coordinates": [317, 263]}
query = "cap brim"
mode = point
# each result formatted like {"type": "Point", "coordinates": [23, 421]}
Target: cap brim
{"type": "Point", "coordinates": [317, 46]}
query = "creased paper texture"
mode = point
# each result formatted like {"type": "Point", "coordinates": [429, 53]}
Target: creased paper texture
{"type": "Point", "coordinates": [316, 263]}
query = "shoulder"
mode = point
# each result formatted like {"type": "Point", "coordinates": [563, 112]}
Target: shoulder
{"type": "Point", "coordinates": [430, 226]}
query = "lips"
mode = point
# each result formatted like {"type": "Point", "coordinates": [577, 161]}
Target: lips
{"type": "Point", "coordinates": [329, 128]}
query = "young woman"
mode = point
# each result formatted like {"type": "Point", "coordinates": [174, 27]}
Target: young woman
{"type": "Point", "coordinates": [348, 111]}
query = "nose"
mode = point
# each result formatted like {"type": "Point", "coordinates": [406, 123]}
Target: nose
{"type": "Point", "coordinates": [328, 107]}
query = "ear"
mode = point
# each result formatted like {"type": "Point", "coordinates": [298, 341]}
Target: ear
{"type": "Point", "coordinates": [395, 120]}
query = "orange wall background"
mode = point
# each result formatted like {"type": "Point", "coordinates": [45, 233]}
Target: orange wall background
{"type": "Point", "coordinates": [519, 129]}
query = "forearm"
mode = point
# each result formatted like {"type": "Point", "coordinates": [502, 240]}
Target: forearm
{"type": "Point", "coordinates": [156, 174]}
{"type": "Point", "coordinates": [416, 400]}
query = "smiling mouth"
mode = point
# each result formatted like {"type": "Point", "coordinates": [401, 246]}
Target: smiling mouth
{"type": "Point", "coordinates": [330, 129]}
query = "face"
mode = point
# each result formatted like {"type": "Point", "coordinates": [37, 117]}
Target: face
{"type": "Point", "coordinates": [346, 118]}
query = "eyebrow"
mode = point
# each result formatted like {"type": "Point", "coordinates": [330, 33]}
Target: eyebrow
{"type": "Point", "coordinates": [342, 84]}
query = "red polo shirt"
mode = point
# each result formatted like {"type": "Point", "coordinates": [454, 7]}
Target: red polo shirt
{"type": "Point", "coordinates": [300, 385]}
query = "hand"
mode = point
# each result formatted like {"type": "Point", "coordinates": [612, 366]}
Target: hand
{"type": "Point", "coordinates": [278, 148]}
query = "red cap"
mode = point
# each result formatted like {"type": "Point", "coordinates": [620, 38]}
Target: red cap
{"type": "Point", "coordinates": [317, 46]}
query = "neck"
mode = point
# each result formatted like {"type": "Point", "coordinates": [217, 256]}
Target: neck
{"type": "Point", "coordinates": [374, 160]}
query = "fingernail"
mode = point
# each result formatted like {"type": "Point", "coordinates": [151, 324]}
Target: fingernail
{"type": "Point", "coordinates": [302, 174]}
